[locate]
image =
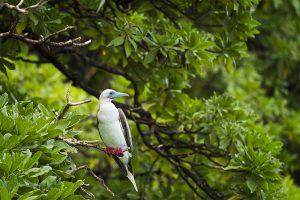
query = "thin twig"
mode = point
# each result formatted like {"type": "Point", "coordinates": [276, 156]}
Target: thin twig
{"type": "Point", "coordinates": [58, 32]}
{"type": "Point", "coordinates": [20, 3]}
{"type": "Point", "coordinates": [97, 178]}
{"type": "Point", "coordinates": [87, 192]}
{"type": "Point", "coordinates": [69, 104]}
{"type": "Point", "coordinates": [21, 10]}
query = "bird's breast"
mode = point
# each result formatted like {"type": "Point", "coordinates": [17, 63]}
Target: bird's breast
{"type": "Point", "coordinates": [108, 113]}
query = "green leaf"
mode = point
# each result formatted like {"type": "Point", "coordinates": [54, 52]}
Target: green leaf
{"type": "Point", "coordinates": [34, 19]}
{"type": "Point", "coordinates": [117, 41]}
{"type": "Point", "coordinates": [74, 119]}
{"type": "Point", "coordinates": [4, 167]}
{"type": "Point", "coordinates": [48, 182]}
{"type": "Point", "coordinates": [35, 172]}
{"type": "Point", "coordinates": [54, 133]}
{"type": "Point", "coordinates": [43, 109]}
{"type": "Point", "coordinates": [69, 188]}
{"type": "Point", "coordinates": [150, 56]}
{"type": "Point", "coordinates": [6, 123]}
{"type": "Point", "coordinates": [10, 141]}
{"type": "Point", "coordinates": [3, 100]}
{"type": "Point", "coordinates": [3, 69]}
{"type": "Point", "coordinates": [4, 195]}
{"type": "Point", "coordinates": [251, 182]}
{"type": "Point", "coordinates": [2, 141]}
{"type": "Point", "coordinates": [128, 48]}
{"type": "Point", "coordinates": [28, 195]}
{"type": "Point", "coordinates": [133, 43]}
{"type": "Point", "coordinates": [54, 194]}
{"type": "Point", "coordinates": [33, 160]}
{"type": "Point", "coordinates": [13, 186]}
{"type": "Point", "coordinates": [9, 65]}
{"type": "Point", "coordinates": [17, 160]}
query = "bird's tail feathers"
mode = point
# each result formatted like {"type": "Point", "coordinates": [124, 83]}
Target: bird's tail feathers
{"type": "Point", "coordinates": [131, 178]}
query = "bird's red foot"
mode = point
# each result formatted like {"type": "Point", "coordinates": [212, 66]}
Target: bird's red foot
{"type": "Point", "coordinates": [118, 152]}
{"type": "Point", "coordinates": [114, 151]}
{"type": "Point", "coordinates": [109, 151]}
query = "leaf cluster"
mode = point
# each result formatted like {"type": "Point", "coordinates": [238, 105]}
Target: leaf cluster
{"type": "Point", "coordinates": [33, 163]}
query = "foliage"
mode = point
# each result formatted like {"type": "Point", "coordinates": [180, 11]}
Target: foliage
{"type": "Point", "coordinates": [33, 164]}
{"type": "Point", "coordinates": [209, 114]}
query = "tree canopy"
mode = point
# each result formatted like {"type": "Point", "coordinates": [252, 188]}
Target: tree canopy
{"type": "Point", "coordinates": [214, 88]}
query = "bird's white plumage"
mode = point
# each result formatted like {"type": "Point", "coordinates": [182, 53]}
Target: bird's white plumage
{"type": "Point", "coordinates": [112, 132]}
{"type": "Point", "coordinates": [110, 128]}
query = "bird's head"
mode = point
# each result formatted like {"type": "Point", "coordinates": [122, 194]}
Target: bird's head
{"type": "Point", "coordinates": [109, 94]}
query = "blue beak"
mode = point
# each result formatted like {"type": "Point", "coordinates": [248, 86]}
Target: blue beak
{"type": "Point", "coordinates": [117, 94]}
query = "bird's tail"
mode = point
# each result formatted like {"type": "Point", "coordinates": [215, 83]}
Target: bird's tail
{"type": "Point", "coordinates": [131, 178]}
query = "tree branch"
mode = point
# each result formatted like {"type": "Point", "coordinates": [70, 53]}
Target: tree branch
{"type": "Point", "coordinates": [75, 143]}
{"type": "Point", "coordinates": [44, 40]}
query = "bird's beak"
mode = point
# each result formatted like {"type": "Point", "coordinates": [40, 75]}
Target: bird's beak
{"type": "Point", "coordinates": [118, 94]}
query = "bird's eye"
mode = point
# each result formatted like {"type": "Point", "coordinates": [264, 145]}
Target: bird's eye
{"type": "Point", "coordinates": [111, 92]}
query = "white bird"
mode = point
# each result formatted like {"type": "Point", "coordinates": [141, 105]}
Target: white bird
{"type": "Point", "coordinates": [115, 133]}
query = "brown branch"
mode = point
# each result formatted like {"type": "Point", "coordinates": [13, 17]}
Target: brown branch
{"type": "Point", "coordinates": [68, 28]}
{"type": "Point", "coordinates": [44, 40]}
{"type": "Point", "coordinates": [75, 143]}
{"type": "Point", "coordinates": [97, 178]}
{"type": "Point", "coordinates": [13, 7]}
{"type": "Point", "coordinates": [166, 13]}
{"type": "Point", "coordinates": [186, 180]}
{"type": "Point", "coordinates": [21, 10]}
{"type": "Point", "coordinates": [88, 144]}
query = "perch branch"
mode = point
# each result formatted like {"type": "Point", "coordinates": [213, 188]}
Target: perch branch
{"type": "Point", "coordinates": [76, 143]}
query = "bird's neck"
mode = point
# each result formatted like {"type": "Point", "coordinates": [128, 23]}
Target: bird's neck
{"type": "Point", "coordinates": [106, 104]}
{"type": "Point", "coordinates": [105, 101]}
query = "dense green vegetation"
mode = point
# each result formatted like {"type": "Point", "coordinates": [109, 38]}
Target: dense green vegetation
{"type": "Point", "coordinates": [214, 108]}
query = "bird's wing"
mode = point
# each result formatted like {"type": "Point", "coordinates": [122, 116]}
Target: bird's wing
{"type": "Point", "coordinates": [125, 129]}
{"type": "Point", "coordinates": [122, 166]}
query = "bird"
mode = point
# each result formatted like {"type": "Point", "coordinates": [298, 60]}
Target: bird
{"type": "Point", "coordinates": [115, 132]}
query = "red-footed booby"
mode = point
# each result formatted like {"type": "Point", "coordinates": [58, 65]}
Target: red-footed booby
{"type": "Point", "coordinates": [115, 133]}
